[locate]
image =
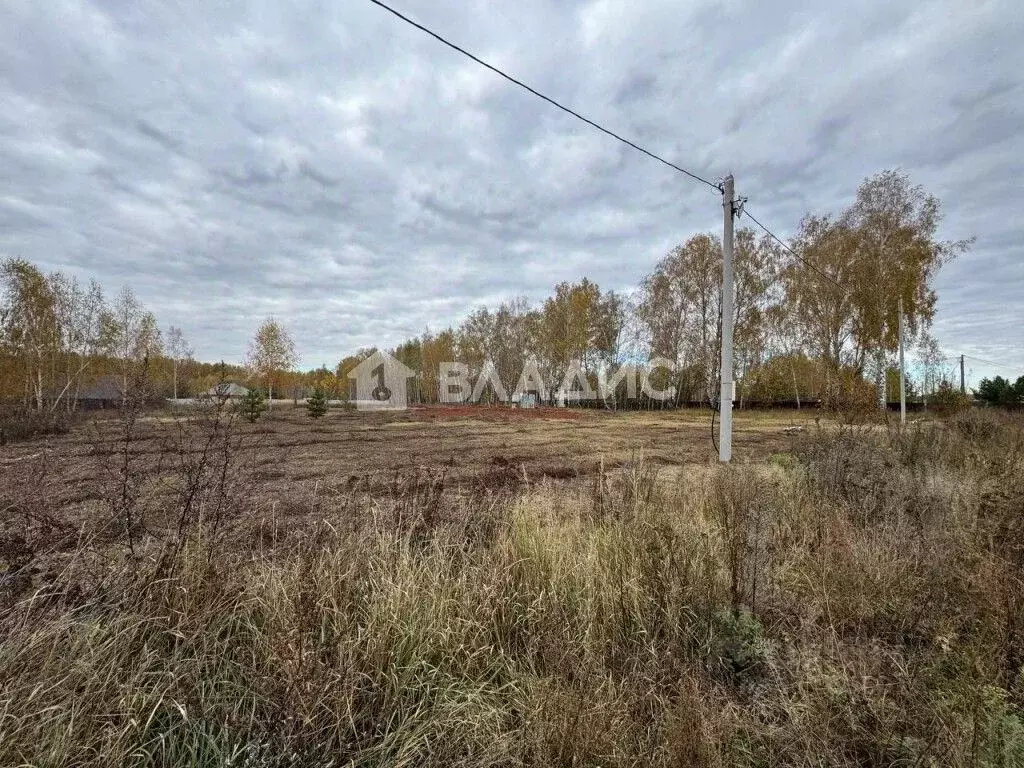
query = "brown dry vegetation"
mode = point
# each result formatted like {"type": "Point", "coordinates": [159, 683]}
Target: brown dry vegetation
{"type": "Point", "coordinates": [417, 589]}
{"type": "Point", "coordinates": [292, 456]}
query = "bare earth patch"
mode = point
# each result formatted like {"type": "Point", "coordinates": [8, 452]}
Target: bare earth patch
{"type": "Point", "coordinates": [346, 449]}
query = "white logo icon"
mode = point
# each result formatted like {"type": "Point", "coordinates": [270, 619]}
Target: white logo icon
{"type": "Point", "coordinates": [381, 383]}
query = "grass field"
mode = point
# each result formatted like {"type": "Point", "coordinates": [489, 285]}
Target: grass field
{"type": "Point", "coordinates": [436, 587]}
{"type": "Point", "coordinates": [291, 457]}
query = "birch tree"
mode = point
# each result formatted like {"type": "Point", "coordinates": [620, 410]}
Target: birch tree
{"type": "Point", "coordinates": [179, 350]}
{"type": "Point", "coordinates": [680, 305]}
{"type": "Point", "coordinates": [271, 354]}
{"type": "Point", "coordinates": [578, 325]}
{"type": "Point", "coordinates": [131, 334]}
{"type": "Point", "coordinates": [821, 310]}
{"type": "Point", "coordinates": [80, 323]}
{"type": "Point", "coordinates": [30, 329]}
{"type": "Point", "coordinates": [437, 349]}
{"type": "Point", "coordinates": [897, 256]}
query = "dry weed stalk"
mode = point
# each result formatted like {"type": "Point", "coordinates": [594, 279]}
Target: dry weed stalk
{"type": "Point", "coordinates": [858, 604]}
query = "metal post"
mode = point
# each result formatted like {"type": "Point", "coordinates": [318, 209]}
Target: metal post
{"type": "Point", "coordinates": [963, 388]}
{"type": "Point", "coordinates": [726, 394]}
{"type": "Point", "coordinates": [903, 373]}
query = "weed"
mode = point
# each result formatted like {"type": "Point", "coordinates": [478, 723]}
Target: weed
{"type": "Point", "coordinates": [860, 602]}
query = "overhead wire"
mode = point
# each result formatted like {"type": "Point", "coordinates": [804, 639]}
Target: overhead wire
{"type": "Point", "coordinates": [548, 99]}
{"type": "Point", "coordinates": [696, 177]}
{"type": "Point", "coordinates": [990, 362]}
{"type": "Point", "coordinates": [716, 186]}
{"type": "Point", "coordinates": [978, 359]}
{"type": "Point", "coordinates": [793, 253]}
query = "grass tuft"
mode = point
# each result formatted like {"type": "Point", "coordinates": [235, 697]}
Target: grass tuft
{"type": "Point", "coordinates": [859, 601]}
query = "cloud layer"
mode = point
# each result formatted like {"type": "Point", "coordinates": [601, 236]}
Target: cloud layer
{"type": "Point", "coordinates": [327, 164]}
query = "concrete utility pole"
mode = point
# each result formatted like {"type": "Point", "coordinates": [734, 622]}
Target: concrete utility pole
{"type": "Point", "coordinates": [726, 394]}
{"type": "Point", "coordinates": [963, 389]}
{"type": "Point", "coordinates": [903, 373]}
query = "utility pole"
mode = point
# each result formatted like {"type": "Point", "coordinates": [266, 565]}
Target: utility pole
{"type": "Point", "coordinates": [726, 394]}
{"type": "Point", "coordinates": [963, 389]}
{"type": "Point", "coordinates": [903, 373]}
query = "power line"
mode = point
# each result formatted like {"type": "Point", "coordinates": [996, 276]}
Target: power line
{"type": "Point", "coordinates": [548, 99]}
{"type": "Point", "coordinates": [617, 137]}
{"type": "Point", "coordinates": [956, 358]}
{"type": "Point", "coordinates": [588, 121]}
{"type": "Point", "coordinates": [989, 362]}
{"type": "Point", "coordinates": [793, 253]}
{"type": "Point", "coordinates": [978, 359]}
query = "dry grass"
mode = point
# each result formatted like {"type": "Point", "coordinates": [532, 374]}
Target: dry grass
{"type": "Point", "coordinates": [856, 602]}
{"type": "Point", "coordinates": [348, 448]}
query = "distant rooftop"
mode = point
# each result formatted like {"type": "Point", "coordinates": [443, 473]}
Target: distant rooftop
{"type": "Point", "coordinates": [103, 388]}
{"type": "Point", "coordinates": [226, 389]}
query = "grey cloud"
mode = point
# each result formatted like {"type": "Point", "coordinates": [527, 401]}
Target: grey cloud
{"type": "Point", "coordinates": [165, 140]}
{"type": "Point", "coordinates": [638, 86]}
{"type": "Point", "coordinates": [311, 173]}
{"type": "Point", "coordinates": [327, 164]}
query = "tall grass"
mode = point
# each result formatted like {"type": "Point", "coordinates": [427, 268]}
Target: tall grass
{"type": "Point", "coordinates": [858, 603]}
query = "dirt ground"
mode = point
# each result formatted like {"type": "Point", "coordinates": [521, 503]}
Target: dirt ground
{"type": "Point", "coordinates": [293, 456]}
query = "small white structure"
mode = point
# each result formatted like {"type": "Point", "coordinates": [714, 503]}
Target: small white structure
{"type": "Point", "coordinates": [227, 389]}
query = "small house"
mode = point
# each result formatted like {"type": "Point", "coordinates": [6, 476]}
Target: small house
{"type": "Point", "coordinates": [226, 389]}
{"type": "Point", "coordinates": [103, 392]}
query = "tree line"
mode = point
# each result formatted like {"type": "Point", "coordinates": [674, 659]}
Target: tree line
{"type": "Point", "coordinates": [1002, 392]}
{"type": "Point", "coordinates": [821, 325]}
{"type": "Point", "coordinates": [57, 335]}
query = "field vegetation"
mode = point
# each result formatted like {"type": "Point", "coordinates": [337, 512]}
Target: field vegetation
{"type": "Point", "coordinates": [849, 596]}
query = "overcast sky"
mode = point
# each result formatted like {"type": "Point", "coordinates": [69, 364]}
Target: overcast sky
{"type": "Point", "coordinates": [327, 164]}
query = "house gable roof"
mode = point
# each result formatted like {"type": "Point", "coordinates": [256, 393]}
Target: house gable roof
{"type": "Point", "coordinates": [103, 388]}
{"type": "Point", "coordinates": [226, 389]}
